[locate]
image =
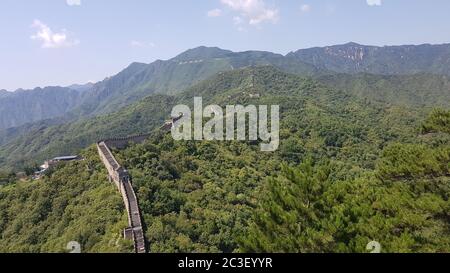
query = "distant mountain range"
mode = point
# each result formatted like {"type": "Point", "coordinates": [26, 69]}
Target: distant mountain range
{"type": "Point", "coordinates": [389, 60]}
{"type": "Point", "coordinates": [183, 71]}
{"type": "Point", "coordinates": [134, 83]}
{"type": "Point", "coordinates": [24, 106]}
{"type": "Point", "coordinates": [175, 75]}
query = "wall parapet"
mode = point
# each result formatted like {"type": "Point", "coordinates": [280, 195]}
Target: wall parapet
{"type": "Point", "coordinates": [120, 143]}
{"type": "Point", "coordinates": [122, 180]}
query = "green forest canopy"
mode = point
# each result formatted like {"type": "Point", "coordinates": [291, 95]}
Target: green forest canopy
{"type": "Point", "coordinates": [348, 171]}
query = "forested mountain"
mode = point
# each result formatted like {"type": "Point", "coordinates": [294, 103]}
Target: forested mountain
{"type": "Point", "coordinates": [47, 140]}
{"type": "Point", "coordinates": [364, 155]}
{"type": "Point", "coordinates": [348, 171]}
{"type": "Point", "coordinates": [132, 84]}
{"type": "Point", "coordinates": [413, 90]}
{"type": "Point", "coordinates": [25, 106]}
{"type": "Point", "coordinates": [177, 74]}
{"type": "Point", "coordinates": [34, 143]}
{"type": "Point", "coordinates": [191, 67]}
{"type": "Point", "coordinates": [389, 60]}
{"type": "Point", "coordinates": [45, 217]}
{"type": "Point", "coordinates": [44, 139]}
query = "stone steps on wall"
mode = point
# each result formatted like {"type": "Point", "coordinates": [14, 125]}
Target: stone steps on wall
{"type": "Point", "coordinates": [121, 178]}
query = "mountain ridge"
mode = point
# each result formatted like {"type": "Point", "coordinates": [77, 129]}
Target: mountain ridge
{"type": "Point", "coordinates": [24, 106]}
{"type": "Point", "coordinates": [174, 75]}
{"type": "Point", "coordinates": [45, 140]}
{"type": "Point", "coordinates": [387, 60]}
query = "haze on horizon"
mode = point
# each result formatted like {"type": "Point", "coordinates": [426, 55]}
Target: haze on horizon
{"type": "Point", "coordinates": [63, 42]}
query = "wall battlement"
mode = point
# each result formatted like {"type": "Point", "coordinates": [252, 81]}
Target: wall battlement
{"type": "Point", "coordinates": [120, 143]}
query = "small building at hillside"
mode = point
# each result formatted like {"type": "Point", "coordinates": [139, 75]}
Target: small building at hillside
{"type": "Point", "coordinates": [51, 163]}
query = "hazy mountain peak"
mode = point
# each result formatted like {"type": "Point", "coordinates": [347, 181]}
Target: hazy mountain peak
{"type": "Point", "coordinates": [352, 44]}
{"type": "Point", "coordinates": [4, 93]}
{"type": "Point", "coordinates": [137, 64]}
{"type": "Point", "coordinates": [201, 53]}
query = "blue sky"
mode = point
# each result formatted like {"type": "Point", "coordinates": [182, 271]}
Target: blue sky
{"type": "Point", "coordinates": [61, 42]}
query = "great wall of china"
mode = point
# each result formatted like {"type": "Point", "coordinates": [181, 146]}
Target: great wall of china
{"type": "Point", "coordinates": [122, 180]}
{"type": "Point", "coordinates": [120, 177]}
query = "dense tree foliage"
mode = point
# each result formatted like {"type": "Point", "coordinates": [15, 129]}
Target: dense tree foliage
{"type": "Point", "coordinates": [348, 171]}
{"type": "Point", "coordinates": [50, 141]}
{"type": "Point", "coordinates": [418, 90]}
{"type": "Point", "coordinates": [74, 203]}
{"type": "Point", "coordinates": [438, 121]}
{"type": "Point", "coordinates": [292, 212]}
{"type": "Point", "coordinates": [7, 177]}
{"type": "Point", "coordinates": [302, 211]}
{"type": "Point", "coordinates": [403, 204]}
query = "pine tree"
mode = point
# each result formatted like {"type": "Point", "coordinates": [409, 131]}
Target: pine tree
{"type": "Point", "coordinates": [289, 217]}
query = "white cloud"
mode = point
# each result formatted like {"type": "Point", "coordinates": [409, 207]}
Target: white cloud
{"type": "Point", "coordinates": [214, 13]}
{"type": "Point", "coordinates": [73, 2]}
{"type": "Point", "coordinates": [140, 44]}
{"type": "Point", "coordinates": [305, 8]}
{"type": "Point", "coordinates": [50, 39]}
{"type": "Point", "coordinates": [374, 2]}
{"type": "Point", "coordinates": [237, 20]}
{"type": "Point", "coordinates": [255, 11]}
